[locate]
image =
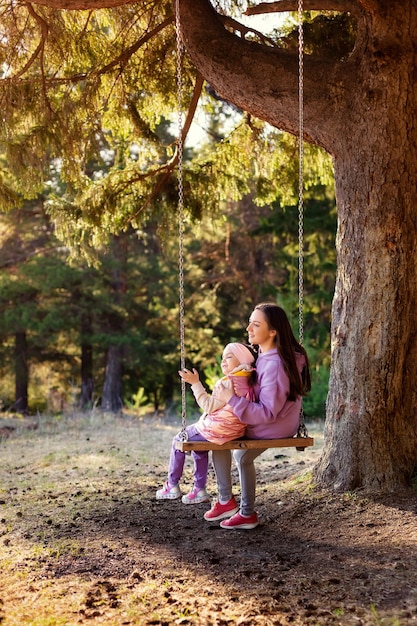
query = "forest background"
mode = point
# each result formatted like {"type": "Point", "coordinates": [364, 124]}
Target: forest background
{"type": "Point", "coordinates": [89, 288]}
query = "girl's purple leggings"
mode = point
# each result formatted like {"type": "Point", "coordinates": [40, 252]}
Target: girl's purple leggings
{"type": "Point", "coordinates": [177, 459]}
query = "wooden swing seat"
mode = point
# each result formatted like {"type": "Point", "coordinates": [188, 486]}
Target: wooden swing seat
{"type": "Point", "coordinates": [300, 443]}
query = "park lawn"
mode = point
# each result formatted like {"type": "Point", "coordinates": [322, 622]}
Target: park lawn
{"type": "Point", "coordinates": [83, 540]}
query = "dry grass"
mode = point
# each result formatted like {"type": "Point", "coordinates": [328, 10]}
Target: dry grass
{"type": "Point", "coordinates": [61, 477]}
{"type": "Point", "coordinates": [53, 480]}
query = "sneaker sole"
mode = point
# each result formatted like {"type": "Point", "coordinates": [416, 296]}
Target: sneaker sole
{"type": "Point", "coordinates": [224, 515]}
{"type": "Point", "coordinates": [195, 500]}
{"type": "Point", "coordinates": [169, 497]}
{"type": "Point", "coordinates": [240, 526]}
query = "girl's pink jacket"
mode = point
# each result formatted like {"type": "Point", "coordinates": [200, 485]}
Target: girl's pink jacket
{"type": "Point", "coordinates": [219, 423]}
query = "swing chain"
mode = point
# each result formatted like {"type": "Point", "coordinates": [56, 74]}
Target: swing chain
{"type": "Point", "coordinates": [301, 171]}
{"type": "Point", "coordinates": [302, 429]}
{"type": "Point", "coordinates": [180, 150]}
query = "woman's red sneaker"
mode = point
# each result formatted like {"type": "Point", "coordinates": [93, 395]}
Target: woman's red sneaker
{"type": "Point", "coordinates": [239, 521]}
{"type": "Point", "coordinates": [220, 511]}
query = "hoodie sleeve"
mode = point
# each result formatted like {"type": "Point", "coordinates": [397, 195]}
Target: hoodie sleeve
{"type": "Point", "coordinates": [273, 392]}
{"type": "Point", "coordinates": [206, 401]}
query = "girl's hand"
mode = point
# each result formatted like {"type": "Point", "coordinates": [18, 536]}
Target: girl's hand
{"type": "Point", "coordinates": [223, 393]}
{"type": "Point", "coordinates": [189, 377]}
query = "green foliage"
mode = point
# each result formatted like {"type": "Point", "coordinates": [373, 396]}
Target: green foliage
{"type": "Point", "coordinates": [89, 109]}
{"type": "Point", "coordinates": [315, 403]}
{"type": "Point", "coordinates": [327, 33]}
{"type": "Point", "coordinates": [139, 400]}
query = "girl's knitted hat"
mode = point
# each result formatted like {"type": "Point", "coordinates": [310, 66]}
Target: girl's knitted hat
{"type": "Point", "coordinates": [241, 352]}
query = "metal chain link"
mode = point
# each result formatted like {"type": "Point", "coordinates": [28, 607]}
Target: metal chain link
{"type": "Point", "coordinates": [180, 150]}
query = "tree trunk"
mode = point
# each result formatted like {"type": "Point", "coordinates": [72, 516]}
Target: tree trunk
{"type": "Point", "coordinates": [87, 380]}
{"type": "Point", "coordinates": [112, 387]}
{"type": "Point", "coordinates": [21, 373]}
{"type": "Point", "coordinates": [364, 116]}
{"type": "Point", "coordinates": [371, 426]}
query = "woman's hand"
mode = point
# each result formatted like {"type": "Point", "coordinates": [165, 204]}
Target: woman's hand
{"type": "Point", "coordinates": [189, 377]}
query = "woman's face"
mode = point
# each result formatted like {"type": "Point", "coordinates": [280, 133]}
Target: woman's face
{"type": "Point", "coordinates": [259, 332]}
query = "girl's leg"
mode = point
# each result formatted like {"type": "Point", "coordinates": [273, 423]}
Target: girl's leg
{"type": "Point", "coordinates": [200, 468]}
{"type": "Point", "coordinates": [222, 461]}
{"type": "Point", "coordinates": [247, 477]}
{"type": "Point", "coordinates": [177, 460]}
{"type": "Point", "coordinates": [198, 492]}
{"type": "Point", "coordinates": [176, 464]}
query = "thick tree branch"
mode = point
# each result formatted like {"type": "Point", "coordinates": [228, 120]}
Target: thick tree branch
{"type": "Point", "coordinates": [314, 5]}
{"type": "Point", "coordinates": [284, 5]}
{"type": "Point", "coordinates": [264, 80]}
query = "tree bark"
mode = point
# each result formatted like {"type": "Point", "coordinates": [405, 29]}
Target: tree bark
{"type": "Point", "coordinates": [371, 424]}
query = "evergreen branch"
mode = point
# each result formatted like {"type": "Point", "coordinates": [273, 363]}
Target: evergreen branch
{"type": "Point", "coordinates": [41, 45]}
{"type": "Point", "coordinates": [169, 167]}
{"type": "Point", "coordinates": [119, 61]}
{"type": "Point", "coordinates": [124, 57]}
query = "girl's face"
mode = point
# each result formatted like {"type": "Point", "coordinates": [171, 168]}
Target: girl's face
{"type": "Point", "coordinates": [229, 361]}
{"type": "Point", "coordinates": [259, 332]}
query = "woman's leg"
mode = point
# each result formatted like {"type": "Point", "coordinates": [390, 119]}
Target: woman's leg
{"type": "Point", "coordinates": [222, 461]}
{"type": "Point", "coordinates": [247, 477]}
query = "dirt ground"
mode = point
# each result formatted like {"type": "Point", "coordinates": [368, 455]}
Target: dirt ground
{"type": "Point", "coordinates": [84, 541]}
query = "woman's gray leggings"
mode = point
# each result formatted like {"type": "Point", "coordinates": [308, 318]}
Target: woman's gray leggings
{"type": "Point", "coordinates": [222, 461]}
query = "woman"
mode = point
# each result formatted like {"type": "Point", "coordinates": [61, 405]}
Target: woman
{"type": "Point", "coordinates": [283, 378]}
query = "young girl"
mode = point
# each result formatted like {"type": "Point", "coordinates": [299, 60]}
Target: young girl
{"type": "Point", "coordinates": [218, 423]}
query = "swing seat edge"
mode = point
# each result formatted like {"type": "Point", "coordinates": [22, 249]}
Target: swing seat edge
{"type": "Point", "coordinates": [300, 443]}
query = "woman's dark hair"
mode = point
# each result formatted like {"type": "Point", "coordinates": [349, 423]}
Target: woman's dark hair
{"type": "Point", "coordinates": [287, 346]}
{"type": "Point", "coordinates": [253, 376]}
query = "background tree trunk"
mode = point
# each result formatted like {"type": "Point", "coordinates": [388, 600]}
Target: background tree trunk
{"type": "Point", "coordinates": [112, 387]}
{"type": "Point", "coordinates": [21, 373]}
{"type": "Point", "coordinates": [87, 379]}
